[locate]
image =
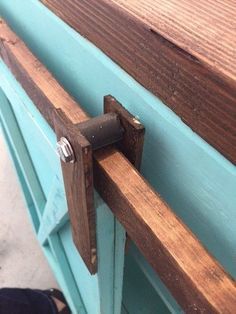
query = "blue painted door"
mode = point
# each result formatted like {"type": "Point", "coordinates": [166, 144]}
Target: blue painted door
{"type": "Point", "coordinates": [203, 196]}
{"type": "Point", "coordinates": [32, 147]}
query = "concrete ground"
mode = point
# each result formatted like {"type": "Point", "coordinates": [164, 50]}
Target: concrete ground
{"type": "Point", "coordinates": [22, 263]}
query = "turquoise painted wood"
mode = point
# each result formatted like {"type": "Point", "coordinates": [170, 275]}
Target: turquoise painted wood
{"type": "Point", "coordinates": [12, 152]}
{"type": "Point", "coordinates": [197, 182]}
{"type": "Point", "coordinates": [85, 293]}
{"type": "Point", "coordinates": [20, 150]}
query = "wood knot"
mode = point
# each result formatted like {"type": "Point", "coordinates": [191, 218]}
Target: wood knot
{"type": "Point", "coordinates": [8, 41]}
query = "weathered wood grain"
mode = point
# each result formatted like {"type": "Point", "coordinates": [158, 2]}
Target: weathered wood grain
{"type": "Point", "coordinates": [132, 142]}
{"type": "Point", "coordinates": [192, 276]}
{"type": "Point", "coordinates": [40, 85]}
{"type": "Point", "coordinates": [183, 51]}
{"type": "Point", "coordinates": [195, 279]}
{"type": "Point", "coordinates": [78, 181]}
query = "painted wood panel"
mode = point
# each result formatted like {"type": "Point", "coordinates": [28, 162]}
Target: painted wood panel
{"type": "Point", "coordinates": [18, 165]}
{"type": "Point", "coordinates": [21, 153]}
{"type": "Point", "coordinates": [85, 293]}
{"type": "Point", "coordinates": [153, 213]}
{"type": "Point", "coordinates": [194, 179]}
{"type": "Point", "coordinates": [177, 49]}
{"type": "Point", "coordinates": [138, 292]}
{"type": "Point", "coordinates": [99, 287]}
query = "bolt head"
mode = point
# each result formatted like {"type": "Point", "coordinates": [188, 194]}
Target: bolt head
{"type": "Point", "coordinates": [65, 150]}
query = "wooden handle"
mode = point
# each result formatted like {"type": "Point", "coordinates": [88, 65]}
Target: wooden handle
{"type": "Point", "coordinates": [193, 276]}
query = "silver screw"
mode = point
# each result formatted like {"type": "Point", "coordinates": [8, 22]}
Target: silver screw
{"type": "Point", "coordinates": [65, 150]}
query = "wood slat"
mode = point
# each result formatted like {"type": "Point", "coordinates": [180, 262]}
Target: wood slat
{"type": "Point", "coordinates": [195, 279]}
{"type": "Point", "coordinates": [183, 51]}
{"type": "Point", "coordinates": [78, 182]}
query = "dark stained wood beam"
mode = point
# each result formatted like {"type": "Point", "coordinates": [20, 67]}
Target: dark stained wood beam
{"type": "Point", "coordinates": [182, 51]}
{"type": "Point", "coordinates": [79, 189]}
{"type": "Point", "coordinates": [193, 276]}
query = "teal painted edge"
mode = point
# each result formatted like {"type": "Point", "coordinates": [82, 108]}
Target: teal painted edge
{"type": "Point", "coordinates": [197, 182]}
{"type": "Point", "coordinates": [87, 284]}
{"type": "Point", "coordinates": [20, 151]}
{"type": "Point", "coordinates": [119, 259]}
{"type": "Point", "coordinates": [63, 273]}
{"type": "Point", "coordinates": [17, 96]}
{"type": "Point", "coordinates": [97, 290]}
{"type": "Point", "coordinates": [74, 298]}
{"type": "Point", "coordinates": [106, 270]}
{"type": "Point", "coordinates": [40, 135]}
{"type": "Point", "coordinates": [26, 193]}
{"type": "Point", "coordinates": [50, 55]}
{"type": "Point", "coordinates": [157, 284]}
{"type": "Point", "coordinates": [61, 280]}
{"type": "Point", "coordinates": [55, 213]}
{"type": "Point", "coordinates": [111, 248]}
{"type": "Point", "coordinates": [139, 297]}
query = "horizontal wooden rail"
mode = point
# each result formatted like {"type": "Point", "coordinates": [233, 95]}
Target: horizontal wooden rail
{"type": "Point", "coordinates": [195, 279]}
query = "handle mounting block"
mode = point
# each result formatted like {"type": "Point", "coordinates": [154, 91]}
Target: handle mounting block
{"type": "Point", "coordinates": [116, 126]}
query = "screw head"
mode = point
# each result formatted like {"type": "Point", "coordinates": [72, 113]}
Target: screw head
{"type": "Point", "coordinates": [65, 150]}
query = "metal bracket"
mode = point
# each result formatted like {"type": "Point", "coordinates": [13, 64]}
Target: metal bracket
{"type": "Point", "coordinates": [75, 146]}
